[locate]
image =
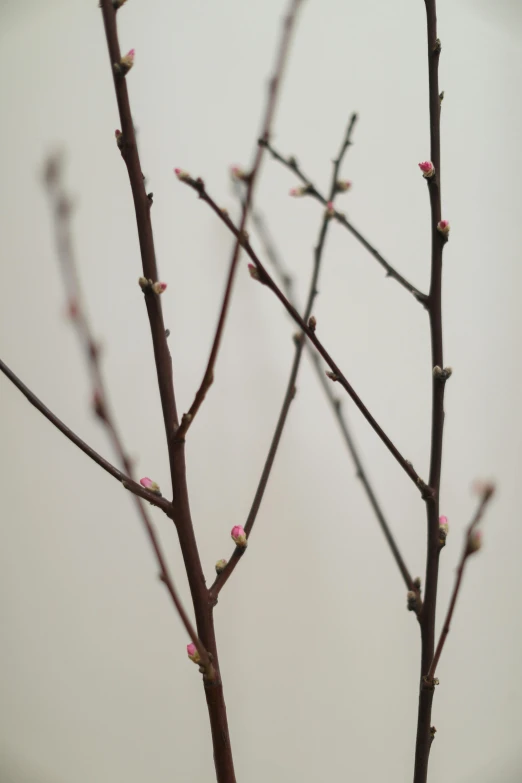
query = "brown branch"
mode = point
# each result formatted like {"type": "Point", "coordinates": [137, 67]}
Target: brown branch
{"type": "Point", "coordinates": [250, 179]}
{"type": "Point", "coordinates": [225, 574]}
{"type": "Point", "coordinates": [470, 547]}
{"type": "Point", "coordinates": [424, 733]}
{"type": "Point", "coordinates": [311, 190]}
{"type": "Point", "coordinates": [335, 374]}
{"type": "Point", "coordinates": [61, 209]}
{"type": "Point", "coordinates": [125, 480]}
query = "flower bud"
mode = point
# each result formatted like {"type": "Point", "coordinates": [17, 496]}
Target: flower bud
{"type": "Point", "coordinates": [239, 173]}
{"type": "Point", "coordinates": [254, 272]}
{"type": "Point", "coordinates": [192, 652]}
{"type": "Point", "coordinates": [298, 192]}
{"type": "Point", "coordinates": [427, 168]}
{"type": "Point", "coordinates": [342, 185]}
{"type": "Point", "coordinates": [220, 566]}
{"type": "Point", "coordinates": [411, 600]}
{"type": "Point", "coordinates": [182, 174]}
{"type": "Point", "coordinates": [239, 536]}
{"type": "Point", "coordinates": [443, 530]}
{"type": "Point", "coordinates": [158, 288]}
{"type": "Point", "coordinates": [144, 283]}
{"type": "Point", "coordinates": [443, 227]}
{"type": "Point", "coordinates": [312, 323]}
{"type": "Point", "coordinates": [118, 135]}
{"type": "Point", "coordinates": [330, 210]}
{"type": "Point", "coordinates": [126, 62]}
{"type": "Point", "coordinates": [474, 542]}
{"type": "Point", "coordinates": [150, 485]}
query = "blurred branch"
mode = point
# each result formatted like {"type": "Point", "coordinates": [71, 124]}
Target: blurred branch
{"type": "Point", "coordinates": [61, 210]}
{"type": "Point", "coordinates": [250, 179]}
{"type": "Point", "coordinates": [335, 373]}
{"type": "Point", "coordinates": [291, 388]}
{"type": "Point", "coordinates": [125, 480]}
{"type": "Point", "coordinates": [311, 190]}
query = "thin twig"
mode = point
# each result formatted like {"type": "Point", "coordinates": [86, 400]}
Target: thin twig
{"type": "Point", "coordinates": [424, 736]}
{"type": "Point", "coordinates": [225, 574]}
{"type": "Point", "coordinates": [250, 178]}
{"type": "Point", "coordinates": [311, 190]}
{"type": "Point", "coordinates": [61, 209]}
{"type": "Point", "coordinates": [125, 480]}
{"type": "Point", "coordinates": [467, 551]}
{"type": "Point", "coordinates": [336, 375]}
{"type": "Point", "coordinates": [284, 275]}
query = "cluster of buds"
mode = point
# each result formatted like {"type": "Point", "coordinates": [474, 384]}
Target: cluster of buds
{"type": "Point", "coordinates": [182, 175]}
{"type": "Point", "coordinates": [427, 168]}
{"type": "Point", "coordinates": [126, 63]}
{"type": "Point", "coordinates": [239, 173]}
{"type": "Point", "coordinates": [148, 285]}
{"type": "Point", "coordinates": [150, 485]}
{"type": "Point", "coordinates": [239, 537]}
{"type": "Point", "coordinates": [443, 227]}
{"type": "Point", "coordinates": [192, 653]}
{"type": "Point", "coordinates": [443, 530]}
{"type": "Point", "coordinates": [220, 566]}
{"type": "Point", "coordinates": [342, 185]}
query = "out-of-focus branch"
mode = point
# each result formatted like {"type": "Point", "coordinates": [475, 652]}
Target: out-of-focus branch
{"type": "Point", "coordinates": [335, 373]}
{"type": "Point", "coordinates": [125, 480]}
{"type": "Point", "coordinates": [311, 190]}
{"type": "Point", "coordinates": [250, 179]}
{"type": "Point", "coordinates": [61, 210]}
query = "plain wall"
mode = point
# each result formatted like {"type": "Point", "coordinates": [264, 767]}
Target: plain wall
{"type": "Point", "coordinates": [319, 656]}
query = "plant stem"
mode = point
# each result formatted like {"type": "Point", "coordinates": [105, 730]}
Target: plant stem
{"type": "Point", "coordinates": [426, 688]}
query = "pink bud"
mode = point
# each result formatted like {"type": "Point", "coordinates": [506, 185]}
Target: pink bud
{"type": "Point", "coordinates": [427, 168]}
{"type": "Point", "coordinates": [239, 173]}
{"type": "Point", "coordinates": [297, 192]}
{"type": "Point", "coordinates": [158, 288]}
{"type": "Point", "coordinates": [342, 185]}
{"type": "Point", "coordinates": [192, 652]}
{"type": "Point", "coordinates": [330, 210]}
{"type": "Point", "coordinates": [117, 133]}
{"type": "Point", "coordinates": [474, 541]}
{"type": "Point", "coordinates": [127, 61]}
{"type": "Point", "coordinates": [239, 536]}
{"type": "Point", "coordinates": [150, 485]}
{"type": "Point", "coordinates": [182, 174]}
{"type": "Point", "coordinates": [254, 271]}
{"type": "Point", "coordinates": [443, 227]}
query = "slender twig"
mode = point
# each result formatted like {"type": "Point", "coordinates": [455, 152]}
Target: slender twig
{"type": "Point", "coordinates": [291, 388]}
{"type": "Point", "coordinates": [311, 190]}
{"type": "Point", "coordinates": [250, 179]}
{"type": "Point", "coordinates": [125, 480]}
{"type": "Point", "coordinates": [467, 551]}
{"type": "Point", "coordinates": [426, 690]}
{"type": "Point", "coordinates": [284, 275]}
{"type": "Point", "coordinates": [336, 375]}
{"type": "Point", "coordinates": [61, 209]}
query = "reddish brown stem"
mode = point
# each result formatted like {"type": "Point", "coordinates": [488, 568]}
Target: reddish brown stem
{"type": "Point", "coordinates": [273, 92]}
{"type": "Point", "coordinates": [424, 735]}
{"type": "Point", "coordinates": [180, 503]}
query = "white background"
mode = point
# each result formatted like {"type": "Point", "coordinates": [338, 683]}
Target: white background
{"type": "Point", "coordinates": [319, 656]}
